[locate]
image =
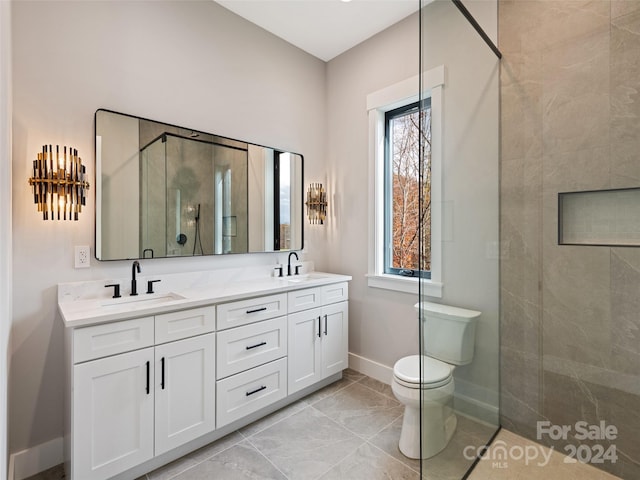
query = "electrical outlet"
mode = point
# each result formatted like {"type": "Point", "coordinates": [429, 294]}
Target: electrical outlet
{"type": "Point", "coordinates": [82, 257]}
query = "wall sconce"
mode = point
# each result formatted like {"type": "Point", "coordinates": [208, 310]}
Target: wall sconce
{"type": "Point", "coordinates": [316, 204]}
{"type": "Point", "coordinates": [59, 187]}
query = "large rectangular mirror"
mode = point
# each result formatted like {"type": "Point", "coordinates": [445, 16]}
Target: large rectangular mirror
{"type": "Point", "coordinates": [169, 191]}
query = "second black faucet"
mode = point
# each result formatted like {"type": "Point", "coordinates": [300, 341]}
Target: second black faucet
{"type": "Point", "coordinates": [134, 284]}
{"type": "Point", "coordinates": [289, 263]}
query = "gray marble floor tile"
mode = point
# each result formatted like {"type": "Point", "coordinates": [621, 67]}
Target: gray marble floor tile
{"type": "Point", "coordinates": [377, 386]}
{"type": "Point", "coordinates": [306, 444]}
{"type": "Point", "coordinates": [360, 409]}
{"type": "Point", "coordinates": [370, 463]}
{"type": "Point", "coordinates": [54, 473]}
{"type": "Point", "coordinates": [275, 417]}
{"type": "Point", "coordinates": [387, 440]}
{"type": "Point", "coordinates": [352, 375]}
{"type": "Point", "coordinates": [216, 447]}
{"type": "Point", "coordinates": [242, 461]}
{"type": "Point", "coordinates": [172, 469]}
{"type": "Point", "coordinates": [328, 390]}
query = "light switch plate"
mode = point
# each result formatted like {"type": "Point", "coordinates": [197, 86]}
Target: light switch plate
{"type": "Point", "coordinates": [82, 257]}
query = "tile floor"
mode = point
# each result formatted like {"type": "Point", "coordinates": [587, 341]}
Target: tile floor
{"type": "Point", "coordinates": [346, 431]}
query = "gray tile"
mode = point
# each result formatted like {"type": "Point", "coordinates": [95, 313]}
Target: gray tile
{"type": "Point", "coordinates": [306, 444]}
{"type": "Point", "coordinates": [273, 418]}
{"type": "Point", "coordinates": [377, 386]}
{"type": "Point", "coordinates": [387, 440]}
{"type": "Point", "coordinates": [54, 473]}
{"type": "Point", "coordinates": [370, 463]}
{"type": "Point", "coordinates": [361, 410]}
{"type": "Point", "coordinates": [353, 375]}
{"type": "Point", "coordinates": [216, 447]}
{"type": "Point", "coordinates": [172, 469]}
{"type": "Point", "coordinates": [328, 390]}
{"type": "Point", "coordinates": [242, 461]}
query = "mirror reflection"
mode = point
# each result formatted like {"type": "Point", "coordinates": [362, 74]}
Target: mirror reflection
{"type": "Point", "coordinates": [166, 191]}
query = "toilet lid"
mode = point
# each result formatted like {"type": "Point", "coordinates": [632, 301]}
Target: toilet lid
{"type": "Point", "coordinates": [407, 369]}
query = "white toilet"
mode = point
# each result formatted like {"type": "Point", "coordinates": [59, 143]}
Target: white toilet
{"type": "Point", "coordinates": [449, 341]}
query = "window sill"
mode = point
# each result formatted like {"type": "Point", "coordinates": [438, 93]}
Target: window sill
{"type": "Point", "coordinates": [403, 284]}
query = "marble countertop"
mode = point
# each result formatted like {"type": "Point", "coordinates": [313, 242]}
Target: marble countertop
{"type": "Point", "coordinates": [78, 309]}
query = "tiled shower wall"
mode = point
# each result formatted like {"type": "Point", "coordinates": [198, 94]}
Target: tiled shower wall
{"type": "Point", "coordinates": [570, 326]}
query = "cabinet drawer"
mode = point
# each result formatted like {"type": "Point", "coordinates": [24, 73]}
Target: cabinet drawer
{"type": "Point", "coordinates": [111, 338]}
{"type": "Point", "coordinates": [184, 324]}
{"type": "Point", "coordinates": [234, 314]}
{"type": "Point", "coordinates": [338, 292]}
{"type": "Point", "coordinates": [249, 391]}
{"type": "Point", "coordinates": [246, 347]}
{"type": "Point", "coordinates": [304, 299]}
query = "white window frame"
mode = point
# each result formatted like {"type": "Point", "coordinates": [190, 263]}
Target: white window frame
{"type": "Point", "coordinates": [379, 102]}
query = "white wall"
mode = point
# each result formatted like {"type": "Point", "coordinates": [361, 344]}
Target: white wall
{"type": "Point", "coordinates": [383, 324]}
{"type": "Point", "coordinates": [5, 223]}
{"type": "Point", "coordinates": [188, 63]}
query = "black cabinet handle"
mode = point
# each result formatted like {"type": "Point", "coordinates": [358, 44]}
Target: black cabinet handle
{"type": "Point", "coordinates": [256, 345]}
{"type": "Point", "coordinates": [257, 310]}
{"type": "Point", "coordinates": [263, 387]}
{"type": "Point", "coordinates": [325, 325]}
{"type": "Point", "coordinates": [162, 373]}
{"type": "Point", "coordinates": [148, 367]}
{"type": "Point", "coordinates": [319, 327]}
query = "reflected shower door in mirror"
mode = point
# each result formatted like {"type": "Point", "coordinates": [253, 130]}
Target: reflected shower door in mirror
{"type": "Point", "coordinates": [166, 191]}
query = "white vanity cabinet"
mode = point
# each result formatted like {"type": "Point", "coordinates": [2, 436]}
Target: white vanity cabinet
{"type": "Point", "coordinates": [129, 403]}
{"type": "Point", "coordinates": [144, 389]}
{"type": "Point", "coordinates": [318, 334]}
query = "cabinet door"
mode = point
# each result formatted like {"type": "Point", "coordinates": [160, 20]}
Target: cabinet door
{"type": "Point", "coordinates": [112, 414]}
{"type": "Point", "coordinates": [335, 338]}
{"type": "Point", "coordinates": [305, 349]}
{"type": "Point", "coordinates": [185, 391]}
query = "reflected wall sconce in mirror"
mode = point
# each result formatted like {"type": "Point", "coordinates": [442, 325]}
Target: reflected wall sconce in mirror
{"type": "Point", "coordinates": [316, 204]}
{"type": "Point", "coordinates": [58, 183]}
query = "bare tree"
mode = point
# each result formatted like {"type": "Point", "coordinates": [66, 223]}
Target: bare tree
{"type": "Point", "coordinates": [411, 219]}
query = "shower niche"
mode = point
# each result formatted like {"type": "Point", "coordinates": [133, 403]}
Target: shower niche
{"type": "Point", "coordinates": [167, 191]}
{"type": "Point", "coordinates": [599, 217]}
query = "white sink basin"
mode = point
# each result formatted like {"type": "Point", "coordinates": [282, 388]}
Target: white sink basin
{"type": "Point", "coordinates": [143, 300]}
{"type": "Point", "coordinates": [306, 277]}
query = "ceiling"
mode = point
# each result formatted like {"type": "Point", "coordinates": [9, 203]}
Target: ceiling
{"type": "Point", "coordinates": [323, 28]}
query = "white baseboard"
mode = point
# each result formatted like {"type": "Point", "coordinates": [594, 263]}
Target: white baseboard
{"type": "Point", "coordinates": [36, 459]}
{"type": "Point", "coordinates": [372, 369]}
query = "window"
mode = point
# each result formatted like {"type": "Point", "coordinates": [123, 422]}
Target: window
{"type": "Point", "coordinates": [407, 191]}
{"type": "Point", "coordinates": [394, 239]}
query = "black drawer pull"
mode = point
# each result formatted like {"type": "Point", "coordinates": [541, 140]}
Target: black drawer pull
{"type": "Point", "coordinates": [256, 345]}
{"type": "Point", "coordinates": [162, 380]}
{"type": "Point", "coordinates": [263, 387]}
{"type": "Point", "coordinates": [148, 390]}
{"type": "Point", "coordinates": [319, 327]}
{"type": "Point", "coordinates": [325, 325]}
{"type": "Point", "coordinates": [257, 310]}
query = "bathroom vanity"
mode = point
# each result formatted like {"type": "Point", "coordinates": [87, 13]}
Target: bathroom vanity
{"type": "Point", "coordinates": [153, 377]}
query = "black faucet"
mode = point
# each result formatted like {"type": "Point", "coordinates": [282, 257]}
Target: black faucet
{"type": "Point", "coordinates": [289, 263]}
{"type": "Point", "coordinates": [134, 285]}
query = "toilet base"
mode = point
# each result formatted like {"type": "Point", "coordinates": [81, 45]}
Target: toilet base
{"type": "Point", "coordinates": [434, 439]}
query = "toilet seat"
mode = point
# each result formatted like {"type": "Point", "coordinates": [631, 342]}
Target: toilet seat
{"type": "Point", "coordinates": [435, 373]}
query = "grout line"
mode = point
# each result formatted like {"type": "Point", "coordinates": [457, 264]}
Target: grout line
{"type": "Point", "coordinates": [394, 458]}
{"type": "Point", "coordinates": [307, 405]}
{"type": "Point", "coordinates": [248, 440]}
{"type": "Point", "coordinates": [392, 397]}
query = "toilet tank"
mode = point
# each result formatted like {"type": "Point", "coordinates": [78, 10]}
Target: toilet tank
{"type": "Point", "coordinates": [449, 332]}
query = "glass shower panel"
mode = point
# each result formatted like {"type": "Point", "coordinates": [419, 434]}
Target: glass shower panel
{"type": "Point", "coordinates": [458, 307]}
